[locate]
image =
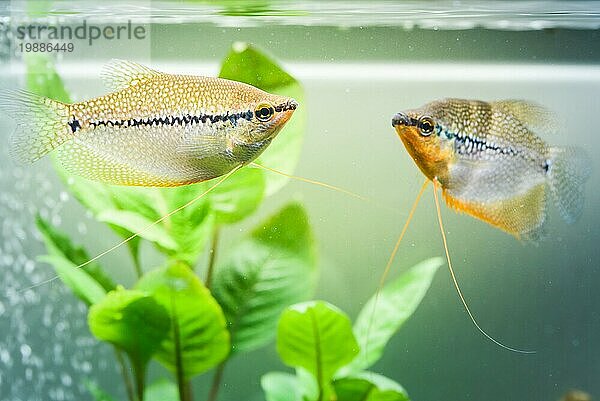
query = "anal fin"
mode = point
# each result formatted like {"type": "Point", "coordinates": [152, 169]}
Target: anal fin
{"type": "Point", "coordinates": [522, 216]}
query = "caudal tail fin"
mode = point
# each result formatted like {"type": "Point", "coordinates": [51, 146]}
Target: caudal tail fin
{"type": "Point", "coordinates": [568, 170]}
{"type": "Point", "coordinates": [42, 124]}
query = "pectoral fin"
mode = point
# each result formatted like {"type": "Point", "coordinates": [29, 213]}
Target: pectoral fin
{"type": "Point", "coordinates": [200, 143]}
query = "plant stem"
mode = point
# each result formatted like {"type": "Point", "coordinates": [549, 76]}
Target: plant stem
{"type": "Point", "coordinates": [183, 385]}
{"type": "Point", "coordinates": [218, 377]}
{"type": "Point", "coordinates": [133, 247]}
{"type": "Point", "coordinates": [216, 383]}
{"type": "Point", "coordinates": [185, 389]}
{"type": "Point", "coordinates": [140, 382]}
{"type": "Point", "coordinates": [125, 374]}
{"type": "Point", "coordinates": [318, 354]}
{"type": "Point", "coordinates": [188, 391]}
{"type": "Point", "coordinates": [213, 257]}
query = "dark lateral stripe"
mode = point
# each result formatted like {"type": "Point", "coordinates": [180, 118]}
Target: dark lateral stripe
{"type": "Point", "coordinates": [475, 145]}
{"type": "Point", "coordinates": [74, 124]}
{"type": "Point", "coordinates": [185, 119]}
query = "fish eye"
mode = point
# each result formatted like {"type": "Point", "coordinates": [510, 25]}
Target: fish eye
{"type": "Point", "coordinates": [426, 125]}
{"type": "Point", "coordinates": [264, 112]}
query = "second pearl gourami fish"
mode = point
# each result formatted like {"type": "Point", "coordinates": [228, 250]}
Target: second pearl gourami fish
{"type": "Point", "coordinates": [155, 129]}
{"type": "Point", "coordinates": [491, 164]}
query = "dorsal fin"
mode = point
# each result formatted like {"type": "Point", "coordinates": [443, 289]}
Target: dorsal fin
{"type": "Point", "coordinates": [535, 117]}
{"type": "Point", "coordinates": [120, 74]}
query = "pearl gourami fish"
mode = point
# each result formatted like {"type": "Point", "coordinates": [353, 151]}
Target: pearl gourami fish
{"type": "Point", "coordinates": [491, 164]}
{"type": "Point", "coordinates": [154, 129]}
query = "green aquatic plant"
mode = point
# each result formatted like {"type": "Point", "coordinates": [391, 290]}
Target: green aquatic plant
{"type": "Point", "coordinates": [190, 326]}
{"type": "Point", "coordinates": [171, 317]}
{"type": "Point", "coordinates": [331, 356]}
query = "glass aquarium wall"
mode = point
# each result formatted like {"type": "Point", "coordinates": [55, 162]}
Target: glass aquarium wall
{"type": "Point", "coordinates": [262, 279]}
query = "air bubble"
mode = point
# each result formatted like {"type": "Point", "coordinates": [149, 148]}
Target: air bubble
{"type": "Point", "coordinates": [65, 379]}
{"type": "Point", "coordinates": [82, 228]}
{"type": "Point", "coordinates": [86, 367]}
{"type": "Point", "coordinates": [29, 266]}
{"type": "Point", "coordinates": [5, 357]}
{"type": "Point", "coordinates": [25, 351]}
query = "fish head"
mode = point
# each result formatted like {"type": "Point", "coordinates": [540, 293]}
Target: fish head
{"type": "Point", "coordinates": [419, 131]}
{"type": "Point", "coordinates": [268, 115]}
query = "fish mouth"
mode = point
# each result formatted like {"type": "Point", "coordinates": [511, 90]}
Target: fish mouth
{"type": "Point", "coordinates": [400, 120]}
{"type": "Point", "coordinates": [290, 104]}
{"type": "Point", "coordinates": [285, 111]}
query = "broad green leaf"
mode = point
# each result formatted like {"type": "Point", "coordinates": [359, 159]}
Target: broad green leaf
{"type": "Point", "coordinates": [238, 196]}
{"type": "Point", "coordinates": [133, 222]}
{"type": "Point", "coordinates": [279, 386]}
{"type": "Point", "coordinates": [147, 202]}
{"type": "Point", "coordinates": [81, 283]}
{"type": "Point", "coordinates": [182, 235]}
{"type": "Point", "coordinates": [99, 197]}
{"type": "Point", "coordinates": [133, 321]}
{"type": "Point", "coordinates": [318, 337]}
{"type": "Point", "coordinates": [368, 386]}
{"type": "Point", "coordinates": [191, 239]}
{"type": "Point", "coordinates": [396, 303]}
{"type": "Point", "coordinates": [199, 339]}
{"type": "Point", "coordinates": [246, 63]}
{"type": "Point", "coordinates": [65, 256]}
{"type": "Point", "coordinates": [161, 390]}
{"type": "Point", "coordinates": [288, 230]}
{"type": "Point", "coordinates": [275, 267]}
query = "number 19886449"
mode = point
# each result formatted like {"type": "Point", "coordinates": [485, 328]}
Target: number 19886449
{"type": "Point", "coordinates": [35, 47]}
